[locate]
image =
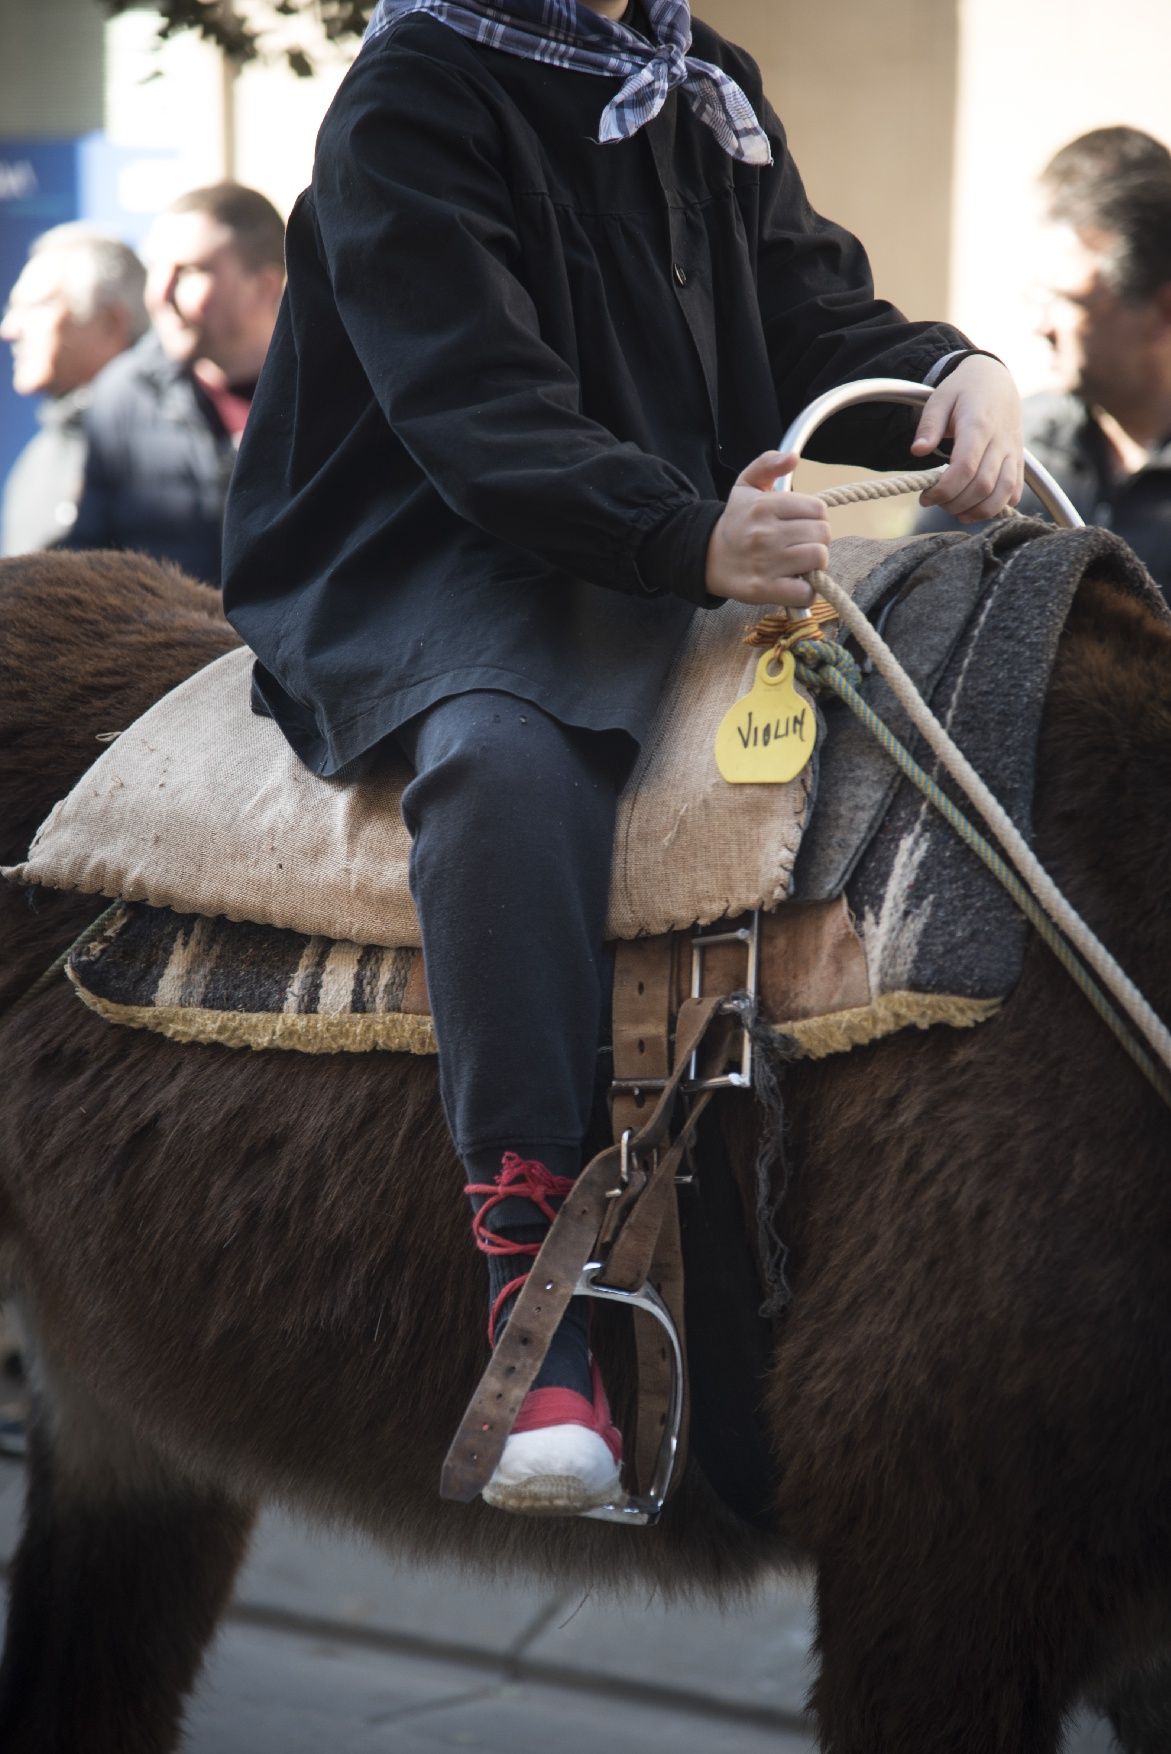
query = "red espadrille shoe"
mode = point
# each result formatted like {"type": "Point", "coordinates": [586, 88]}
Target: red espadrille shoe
{"type": "Point", "coordinates": [563, 1454]}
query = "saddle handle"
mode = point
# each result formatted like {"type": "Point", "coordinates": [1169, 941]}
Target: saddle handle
{"type": "Point", "coordinates": [902, 390]}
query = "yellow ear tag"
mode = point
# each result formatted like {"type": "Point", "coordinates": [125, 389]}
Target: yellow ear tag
{"type": "Point", "coordinates": [767, 736]}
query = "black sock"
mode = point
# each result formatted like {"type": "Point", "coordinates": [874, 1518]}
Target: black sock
{"type": "Point", "coordinates": [566, 1364]}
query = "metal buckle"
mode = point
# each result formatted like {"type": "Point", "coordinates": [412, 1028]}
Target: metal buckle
{"type": "Point", "coordinates": [702, 942]}
{"type": "Point", "coordinates": [642, 1509]}
{"type": "Point", "coordinates": [628, 1161]}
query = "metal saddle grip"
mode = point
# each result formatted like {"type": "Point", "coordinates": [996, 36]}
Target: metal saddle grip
{"type": "Point", "coordinates": [902, 391]}
{"type": "Point", "coordinates": [643, 1508]}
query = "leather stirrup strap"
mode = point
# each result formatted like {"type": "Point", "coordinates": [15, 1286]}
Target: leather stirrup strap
{"type": "Point", "coordinates": [654, 1361]}
{"type": "Point", "coordinates": [518, 1355]}
{"type": "Point", "coordinates": [648, 1248]}
{"type": "Point", "coordinates": [643, 1011]}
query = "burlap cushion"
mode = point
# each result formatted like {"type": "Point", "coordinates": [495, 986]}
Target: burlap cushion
{"type": "Point", "coordinates": [202, 807]}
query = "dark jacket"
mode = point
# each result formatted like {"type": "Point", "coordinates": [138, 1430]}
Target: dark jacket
{"type": "Point", "coordinates": [513, 379]}
{"type": "Point", "coordinates": [44, 484]}
{"type": "Point", "coordinates": [1065, 438]}
{"type": "Point", "coordinates": [157, 465]}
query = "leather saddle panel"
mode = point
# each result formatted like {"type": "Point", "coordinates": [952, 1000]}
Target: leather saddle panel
{"type": "Point", "coordinates": [811, 962]}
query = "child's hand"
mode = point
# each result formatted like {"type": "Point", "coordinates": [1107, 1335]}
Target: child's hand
{"type": "Point", "coordinates": [978, 408]}
{"type": "Point", "coordinates": [765, 541]}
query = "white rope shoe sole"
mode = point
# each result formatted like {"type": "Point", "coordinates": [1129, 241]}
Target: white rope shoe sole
{"type": "Point", "coordinates": [560, 1470]}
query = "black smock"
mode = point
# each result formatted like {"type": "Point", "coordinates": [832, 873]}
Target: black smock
{"type": "Point", "coordinates": [513, 379]}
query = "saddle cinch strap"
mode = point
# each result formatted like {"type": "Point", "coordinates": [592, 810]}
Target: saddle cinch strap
{"type": "Point", "coordinates": [603, 1243]}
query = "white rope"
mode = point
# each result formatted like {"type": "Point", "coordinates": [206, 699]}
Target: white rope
{"type": "Point", "coordinates": [956, 764]}
{"type": "Point", "coordinates": [881, 487]}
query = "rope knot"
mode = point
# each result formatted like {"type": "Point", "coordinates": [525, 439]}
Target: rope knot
{"type": "Point", "coordinates": [518, 1180]}
{"type": "Point", "coordinates": [816, 657]}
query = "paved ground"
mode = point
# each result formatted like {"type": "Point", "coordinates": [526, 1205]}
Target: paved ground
{"type": "Point", "coordinates": [331, 1649]}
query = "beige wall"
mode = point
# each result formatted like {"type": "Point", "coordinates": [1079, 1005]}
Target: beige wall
{"type": "Point", "coordinates": [1035, 73]}
{"type": "Point", "coordinates": [867, 93]}
{"type": "Point", "coordinates": [50, 68]}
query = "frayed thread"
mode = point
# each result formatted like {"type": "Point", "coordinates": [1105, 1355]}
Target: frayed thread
{"type": "Point", "coordinates": [772, 1053]}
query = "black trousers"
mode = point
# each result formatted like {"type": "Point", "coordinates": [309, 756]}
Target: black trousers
{"type": "Point", "coordinates": [511, 815]}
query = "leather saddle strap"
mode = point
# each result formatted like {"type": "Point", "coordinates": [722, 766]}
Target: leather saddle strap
{"type": "Point", "coordinates": [517, 1357]}
{"type": "Point", "coordinates": [648, 1248]}
{"type": "Point", "coordinates": [652, 1253]}
{"type": "Point", "coordinates": [631, 1225]}
{"type": "Point", "coordinates": [653, 1356]}
{"type": "Point", "coordinates": [644, 996]}
{"type": "Point", "coordinates": [629, 1257]}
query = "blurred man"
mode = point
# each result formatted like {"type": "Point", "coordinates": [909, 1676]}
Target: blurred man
{"type": "Point", "coordinates": [77, 304]}
{"type": "Point", "coordinates": [1099, 157]}
{"type": "Point", "coordinates": [1106, 435]}
{"type": "Point", "coordinates": [164, 421]}
{"type": "Point", "coordinates": [1105, 282]}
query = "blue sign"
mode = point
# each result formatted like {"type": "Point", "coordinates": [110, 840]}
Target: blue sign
{"type": "Point", "coordinates": [50, 182]}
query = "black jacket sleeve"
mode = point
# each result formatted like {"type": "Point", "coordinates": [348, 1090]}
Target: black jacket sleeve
{"type": "Point", "coordinates": [417, 231]}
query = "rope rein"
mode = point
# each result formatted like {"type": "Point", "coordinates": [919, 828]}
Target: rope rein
{"type": "Point", "coordinates": [886, 487]}
{"type": "Point", "coordinates": [824, 663]}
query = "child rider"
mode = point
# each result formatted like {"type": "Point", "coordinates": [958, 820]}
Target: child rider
{"type": "Point", "coordinates": [553, 293]}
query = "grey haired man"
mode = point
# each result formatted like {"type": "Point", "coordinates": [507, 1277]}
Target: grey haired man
{"type": "Point", "coordinates": [76, 305]}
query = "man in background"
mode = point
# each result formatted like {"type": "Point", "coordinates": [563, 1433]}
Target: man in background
{"type": "Point", "coordinates": [1106, 435]}
{"type": "Point", "coordinates": [164, 420]}
{"type": "Point", "coordinates": [76, 305]}
{"type": "Point", "coordinates": [1104, 267]}
{"type": "Point", "coordinates": [1098, 157]}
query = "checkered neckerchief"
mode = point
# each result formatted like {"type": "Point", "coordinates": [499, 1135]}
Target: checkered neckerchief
{"type": "Point", "coordinates": [565, 33]}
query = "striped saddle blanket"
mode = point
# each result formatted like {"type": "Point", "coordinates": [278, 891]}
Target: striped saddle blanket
{"type": "Point", "coordinates": [246, 986]}
{"type": "Point", "coordinates": [201, 980]}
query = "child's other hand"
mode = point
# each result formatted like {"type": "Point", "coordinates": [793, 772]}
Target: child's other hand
{"type": "Point", "coordinates": [977, 406]}
{"type": "Point", "coordinates": [765, 541]}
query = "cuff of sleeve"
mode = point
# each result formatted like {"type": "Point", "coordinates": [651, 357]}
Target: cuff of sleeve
{"type": "Point", "coordinates": [672, 557]}
{"type": "Point", "coordinates": [944, 367]}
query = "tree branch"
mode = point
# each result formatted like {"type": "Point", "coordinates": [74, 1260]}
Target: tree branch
{"type": "Point", "coordinates": [217, 22]}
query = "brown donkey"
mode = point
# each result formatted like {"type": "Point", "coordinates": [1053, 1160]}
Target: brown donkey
{"type": "Point", "coordinates": [249, 1278]}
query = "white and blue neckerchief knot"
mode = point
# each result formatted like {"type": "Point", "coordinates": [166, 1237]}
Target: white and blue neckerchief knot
{"type": "Point", "coordinates": [564, 33]}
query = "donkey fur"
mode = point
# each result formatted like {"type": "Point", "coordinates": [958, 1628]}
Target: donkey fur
{"type": "Point", "coordinates": [250, 1279]}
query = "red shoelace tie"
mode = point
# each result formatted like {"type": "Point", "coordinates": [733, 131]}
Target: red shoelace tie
{"type": "Point", "coordinates": [518, 1180]}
